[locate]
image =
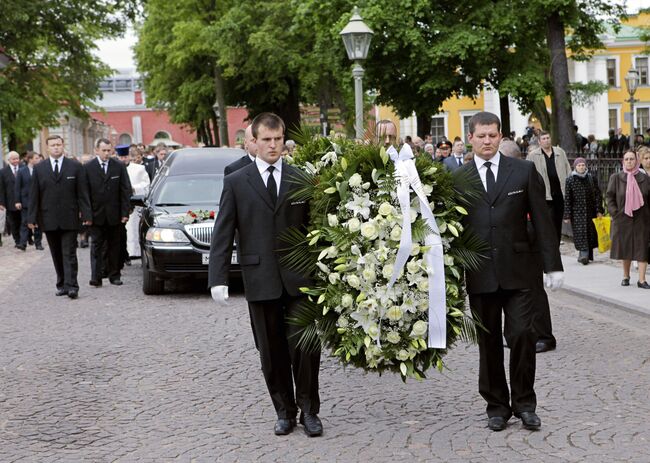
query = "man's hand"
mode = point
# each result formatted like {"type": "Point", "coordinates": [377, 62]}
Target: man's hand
{"type": "Point", "coordinates": [219, 294]}
{"type": "Point", "coordinates": [18, 206]}
{"type": "Point", "coordinates": [125, 219]}
{"type": "Point", "coordinates": [32, 226]}
{"type": "Point", "coordinates": [87, 222]}
{"type": "Point", "coordinates": [554, 280]}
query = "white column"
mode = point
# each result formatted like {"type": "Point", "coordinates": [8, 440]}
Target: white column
{"type": "Point", "coordinates": [518, 121]}
{"type": "Point", "coordinates": [581, 113]}
{"type": "Point", "coordinates": [136, 122]}
{"type": "Point", "coordinates": [601, 103]}
{"type": "Point", "coordinates": [491, 101]}
{"type": "Point", "coordinates": [408, 126]}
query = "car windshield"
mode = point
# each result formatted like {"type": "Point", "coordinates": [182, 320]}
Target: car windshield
{"type": "Point", "coordinates": [191, 190]}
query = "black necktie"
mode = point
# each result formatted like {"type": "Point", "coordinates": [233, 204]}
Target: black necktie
{"type": "Point", "coordinates": [489, 178]}
{"type": "Point", "coordinates": [56, 167]}
{"type": "Point", "coordinates": [104, 167]}
{"type": "Point", "coordinates": [271, 186]}
{"type": "Point", "coordinates": [460, 161]}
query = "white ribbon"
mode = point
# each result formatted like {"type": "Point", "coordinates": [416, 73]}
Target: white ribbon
{"type": "Point", "coordinates": [408, 179]}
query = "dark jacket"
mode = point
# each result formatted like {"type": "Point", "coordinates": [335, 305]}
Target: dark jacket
{"type": "Point", "coordinates": [7, 188]}
{"type": "Point", "coordinates": [245, 206]}
{"type": "Point", "coordinates": [109, 193]}
{"type": "Point", "coordinates": [23, 186]}
{"type": "Point", "coordinates": [238, 164]}
{"type": "Point", "coordinates": [59, 202]}
{"type": "Point", "coordinates": [501, 222]}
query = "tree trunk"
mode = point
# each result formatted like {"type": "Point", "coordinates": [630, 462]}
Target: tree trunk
{"type": "Point", "coordinates": [504, 106]}
{"type": "Point", "coordinates": [560, 95]}
{"type": "Point", "coordinates": [289, 109]}
{"type": "Point", "coordinates": [223, 110]}
{"type": "Point", "coordinates": [541, 113]}
{"type": "Point", "coordinates": [424, 124]}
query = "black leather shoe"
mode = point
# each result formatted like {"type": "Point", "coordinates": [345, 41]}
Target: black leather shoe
{"type": "Point", "coordinates": [96, 283]}
{"type": "Point", "coordinates": [543, 346]}
{"type": "Point", "coordinates": [39, 247]}
{"type": "Point", "coordinates": [497, 423]}
{"type": "Point", "coordinates": [312, 424]}
{"type": "Point", "coordinates": [22, 247]}
{"type": "Point", "coordinates": [73, 294]}
{"type": "Point", "coordinates": [625, 282]}
{"type": "Point", "coordinates": [61, 292]}
{"type": "Point", "coordinates": [643, 285]}
{"type": "Point", "coordinates": [284, 426]}
{"type": "Point", "coordinates": [116, 282]}
{"type": "Point", "coordinates": [530, 420]}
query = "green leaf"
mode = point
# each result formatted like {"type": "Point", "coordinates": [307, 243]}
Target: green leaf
{"type": "Point", "coordinates": [461, 209]}
{"type": "Point", "coordinates": [330, 190]}
{"type": "Point", "coordinates": [383, 155]}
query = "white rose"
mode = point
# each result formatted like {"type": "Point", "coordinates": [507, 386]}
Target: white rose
{"type": "Point", "coordinates": [403, 355]}
{"type": "Point", "coordinates": [373, 331]}
{"type": "Point", "coordinates": [369, 275]}
{"type": "Point", "coordinates": [396, 233]}
{"type": "Point", "coordinates": [355, 181]}
{"type": "Point", "coordinates": [428, 189]}
{"type": "Point", "coordinates": [347, 300]}
{"type": "Point", "coordinates": [332, 252]}
{"type": "Point", "coordinates": [353, 281]}
{"type": "Point", "coordinates": [423, 284]}
{"type": "Point", "coordinates": [413, 266]}
{"type": "Point", "coordinates": [387, 271]}
{"type": "Point", "coordinates": [354, 224]}
{"type": "Point", "coordinates": [385, 209]}
{"type": "Point", "coordinates": [332, 220]}
{"type": "Point", "coordinates": [333, 278]}
{"type": "Point", "coordinates": [420, 328]}
{"type": "Point", "coordinates": [394, 313]}
{"type": "Point", "coordinates": [369, 230]}
{"type": "Point", "coordinates": [415, 250]}
{"type": "Point", "coordinates": [342, 322]}
{"type": "Point", "coordinates": [393, 337]}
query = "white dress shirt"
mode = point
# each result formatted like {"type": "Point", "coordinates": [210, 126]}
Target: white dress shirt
{"type": "Point", "coordinates": [482, 170]}
{"type": "Point", "coordinates": [263, 167]}
{"type": "Point", "coordinates": [60, 159]}
{"type": "Point", "coordinates": [251, 157]}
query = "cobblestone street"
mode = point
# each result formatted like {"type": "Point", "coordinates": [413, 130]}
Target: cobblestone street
{"type": "Point", "coordinates": [119, 376]}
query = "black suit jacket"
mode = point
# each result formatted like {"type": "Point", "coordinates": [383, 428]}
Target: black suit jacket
{"type": "Point", "coordinates": [56, 203]}
{"type": "Point", "coordinates": [23, 186]}
{"type": "Point", "coordinates": [109, 193]}
{"type": "Point", "coordinates": [7, 188]}
{"type": "Point", "coordinates": [246, 206]}
{"type": "Point", "coordinates": [501, 221]}
{"type": "Point", "coordinates": [151, 165]}
{"type": "Point", "coordinates": [238, 164]}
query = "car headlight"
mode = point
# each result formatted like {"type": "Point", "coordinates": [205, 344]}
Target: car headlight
{"type": "Point", "coordinates": [166, 235]}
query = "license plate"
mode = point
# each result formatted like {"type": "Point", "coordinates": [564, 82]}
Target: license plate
{"type": "Point", "coordinates": [205, 258]}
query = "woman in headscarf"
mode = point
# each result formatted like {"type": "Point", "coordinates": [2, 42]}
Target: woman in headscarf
{"type": "Point", "coordinates": [628, 202]}
{"type": "Point", "coordinates": [582, 202]}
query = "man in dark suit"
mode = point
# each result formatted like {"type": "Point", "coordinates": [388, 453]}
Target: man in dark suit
{"type": "Point", "coordinates": [8, 176]}
{"type": "Point", "coordinates": [512, 191]}
{"type": "Point", "coordinates": [109, 190]}
{"type": "Point", "coordinates": [153, 164]}
{"type": "Point", "coordinates": [58, 203]}
{"type": "Point", "coordinates": [251, 152]}
{"type": "Point", "coordinates": [256, 202]}
{"type": "Point", "coordinates": [455, 160]}
{"type": "Point", "coordinates": [23, 187]}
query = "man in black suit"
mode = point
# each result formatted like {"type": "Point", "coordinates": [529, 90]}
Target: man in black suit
{"type": "Point", "coordinates": [8, 176]}
{"type": "Point", "coordinates": [256, 202]}
{"type": "Point", "coordinates": [513, 191]}
{"type": "Point", "coordinates": [23, 188]}
{"type": "Point", "coordinates": [153, 163]}
{"type": "Point", "coordinates": [110, 190]}
{"type": "Point", "coordinates": [58, 203]}
{"type": "Point", "coordinates": [251, 152]}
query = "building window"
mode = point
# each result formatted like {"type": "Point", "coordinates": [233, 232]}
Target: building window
{"type": "Point", "coordinates": [125, 139]}
{"type": "Point", "coordinates": [123, 85]}
{"type": "Point", "coordinates": [106, 85]}
{"type": "Point", "coordinates": [162, 135]}
{"type": "Point", "coordinates": [613, 118]}
{"type": "Point", "coordinates": [466, 119]}
{"type": "Point", "coordinates": [611, 72]}
{"type": "Point", "coordinates": [642, 119]}
{"type": "Point", "coordinates": [641, 65]}
{"type": "Point", "coordinates": [437, 128]}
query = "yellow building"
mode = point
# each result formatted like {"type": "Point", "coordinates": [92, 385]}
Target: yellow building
{"type": "Point", "coordinates": [611, 110]}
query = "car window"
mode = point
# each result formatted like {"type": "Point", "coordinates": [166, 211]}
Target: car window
{"type": "Point", "coordinates": [203, 190]}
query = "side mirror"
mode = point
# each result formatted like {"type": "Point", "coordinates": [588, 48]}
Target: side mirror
{"type": "Point", "coordinates": [137, 200]}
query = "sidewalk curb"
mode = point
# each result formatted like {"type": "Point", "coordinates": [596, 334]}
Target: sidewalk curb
{"type": "Point", "coordinates": [630, 308]}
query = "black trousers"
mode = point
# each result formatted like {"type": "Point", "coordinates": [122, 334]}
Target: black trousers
{"type": "Point", "coordinates": [556, 208]}
{"type": "Point", "coordinates": [13, 223]}
{"type": "Point", "coordinates": [542, 322]}
{"type": "Point", "coordinates": [111, 236]}
{"type": "Point", "coordinates": [518, 307]}
{"type": "Point", "coordinates": [25, 232]}
{"type": "Point", "coordinates": [282, 362]}
{"type": "Point", "coordinates": [63, 247]}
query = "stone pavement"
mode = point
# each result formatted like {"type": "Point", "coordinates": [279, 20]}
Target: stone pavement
{"type": "Point", "coordinates": [119, 376]}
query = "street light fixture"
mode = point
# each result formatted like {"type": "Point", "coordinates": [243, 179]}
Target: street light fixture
{"type": "Point", "coordinates": [632, 83]}
{"type": "Point", "coordinates": [356, 37]}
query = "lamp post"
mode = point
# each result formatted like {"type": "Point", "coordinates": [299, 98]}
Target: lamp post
{"type": "Point", "coordinates": [632, 82]}
{"type": "Point", "coordinates": [356, 37]}
{"type": "Point", "coordinates": [217, 116]}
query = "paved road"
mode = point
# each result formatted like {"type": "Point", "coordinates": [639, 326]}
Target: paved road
{"type": "Point", "coordinates": [118, 376]}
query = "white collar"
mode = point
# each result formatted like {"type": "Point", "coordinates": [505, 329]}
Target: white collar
{"type": "Point", "coordinates": [262, 165]}
{"type": "Point", "coordinates": [60, 159]}
{"type": "Point", "coordinates": [100, 160]}
{"type": "Point", "coordinates": [251, 157]}
{"type": "Point", "coordinates": [494, 160]}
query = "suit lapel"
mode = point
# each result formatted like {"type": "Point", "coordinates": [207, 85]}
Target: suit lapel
{"type": "Point", "coordinates": [256, 182]}
{"type": "Point", "coordinates": [505, 168]}
{"type": "Point", "coordinates": [477, 178]}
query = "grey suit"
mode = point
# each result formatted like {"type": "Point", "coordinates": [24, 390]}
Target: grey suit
{"type": "Point", "coordinates": [272, 290]}
{"type": "Point", "coordinates": [451, 163]}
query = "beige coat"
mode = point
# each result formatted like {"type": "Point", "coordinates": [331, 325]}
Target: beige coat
{"type": "Point", "coordinates": [561, 165]}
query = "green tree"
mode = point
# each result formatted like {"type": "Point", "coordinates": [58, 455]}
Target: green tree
{"type": "Point", "coordinates": [53, 66]}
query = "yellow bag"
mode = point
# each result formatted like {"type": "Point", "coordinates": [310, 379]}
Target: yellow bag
{"type": "Point", "coordinates": [602, 228]}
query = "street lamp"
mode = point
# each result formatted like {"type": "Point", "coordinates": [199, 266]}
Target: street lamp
{"type": "Point", "coordinates": [356, 38]}
{"type": "Point", "coordinates": [632, 82]}
{"type": "Point", "coordinates": [217, 116]}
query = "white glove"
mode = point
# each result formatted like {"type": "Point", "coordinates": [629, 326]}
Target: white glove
{"type": "Point", "coordinates": [219, 294]}
{"type": "Point", "coordinates": [554, 280]}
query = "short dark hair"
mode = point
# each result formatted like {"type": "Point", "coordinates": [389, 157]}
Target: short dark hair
{"type": "Point", "coordinates": [484, 118]}
{"type": "Point", "coordinates": [268, 120]}
{"type": "Point", "coordinates": [104, 141]}
{"type": "Point", "coordinates": [543, 132]}
{"type": "Point", "coordinates": [29, 155]}
{"type": "Point", "coordinates": [53, 137]}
